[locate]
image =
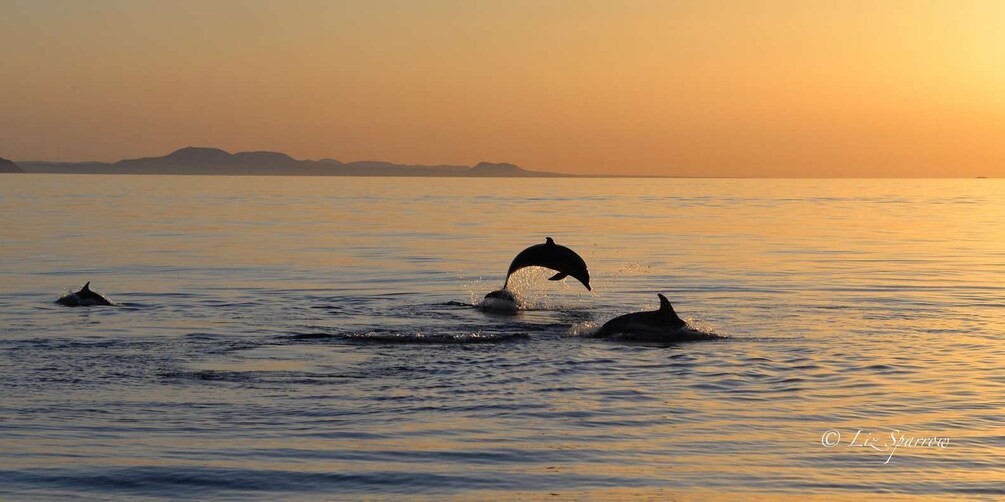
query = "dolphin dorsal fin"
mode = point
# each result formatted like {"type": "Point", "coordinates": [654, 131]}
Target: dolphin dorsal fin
{"type": "Point", "coordinates": [86, 286]}
{"type": "Point", "coordinates": [667, 312]}
{"type": "Point", "coordinates": [549, 240]}
{"type": "Point", "coordinates": [664, 303]}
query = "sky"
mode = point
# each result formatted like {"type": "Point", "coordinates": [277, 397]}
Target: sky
{"type": "Point", "coordinates": [692, 88]}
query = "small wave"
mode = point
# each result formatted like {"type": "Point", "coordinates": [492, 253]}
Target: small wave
{"type": "Point", "coordinates": [416, 337]}
{"type": "Point", "coordinates": [193, 482]}
{"type": "Point", "coordinates": [590, 329]}
{"type": "Point", "coordinates": [586, 329]}
{"type": "Point", "coordinates": [458, 304]}
{"type": "Point", "coordinates": [209, 375]}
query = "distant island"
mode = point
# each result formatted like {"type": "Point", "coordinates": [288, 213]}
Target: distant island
{"type": "Point", "coordinates": [197, 160]}
{"type": "Point", "coordinates": [7, 166]}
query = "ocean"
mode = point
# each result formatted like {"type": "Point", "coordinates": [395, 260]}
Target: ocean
{"type": "Point", "coordinates": [315, 338]}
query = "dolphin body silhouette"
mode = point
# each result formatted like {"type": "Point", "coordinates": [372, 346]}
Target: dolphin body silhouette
{"type": "Point", "coordinates": [84, 298]}
{"type": "Point", "coordinates": [652, 324]}
{"type": "Point", "coordinates": [550, 255]}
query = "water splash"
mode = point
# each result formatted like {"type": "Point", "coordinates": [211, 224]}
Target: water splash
{"type": "Point", "coordinates": [534, 291]}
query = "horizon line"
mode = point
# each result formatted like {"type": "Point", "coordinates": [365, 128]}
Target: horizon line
{"type": "Point", "coordinates": [538, 174]}
{"type": "Point", "coordinates": [561, 176]}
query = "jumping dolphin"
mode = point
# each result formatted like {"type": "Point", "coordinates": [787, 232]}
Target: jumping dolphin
{"type": "Point", "coordinates": [83, 298]}
{"type": "Point", "coordinates": [550, 255]}
{"type": "Point", "coordinates": [656, 322]}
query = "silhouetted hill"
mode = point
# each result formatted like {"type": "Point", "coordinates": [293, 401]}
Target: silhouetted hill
{"type": "Point", "coordinates": [200, 160]}
{"type": "Point", "coordinates": [197, 160]}
{"type": "Point", "coordinates": [193, 154]}
{"type": "Point", "coordinates": [263, 157]}
{"type": "Point", "coordinates": [7, 166]}
{"type": "Point", "coordinates": [501, 169]}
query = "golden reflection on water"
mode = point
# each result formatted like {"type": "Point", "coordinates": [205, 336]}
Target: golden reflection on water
{"type": "Point", "coordinates": [850, 304]}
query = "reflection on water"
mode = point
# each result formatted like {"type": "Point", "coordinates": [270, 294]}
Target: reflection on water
{"type": "Point", "coordinates": [305, 337]}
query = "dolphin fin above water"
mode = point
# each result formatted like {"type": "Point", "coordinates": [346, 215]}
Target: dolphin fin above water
{"type": "Point", "coordinates": [661, 323]}
{"type": "Point", "coordinates": [667, 314]}
{"type": "Point", "coordinates": [84, 298]}
{"type": "Point", "coordinates": [556, 257]}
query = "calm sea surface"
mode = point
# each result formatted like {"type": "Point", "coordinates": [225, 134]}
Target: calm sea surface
{"type": "Point", "coordinates": [314, 338]}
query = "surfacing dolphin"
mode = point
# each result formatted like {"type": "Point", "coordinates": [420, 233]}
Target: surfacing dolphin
{"type": "Point", "coordinates": [503, 301]}
{"type": "Point", "coordinates": [662, 324]}
{"type": "Point", "coordinates": [550, 255]}
{"type": "Point", "coordinates": [84, 298]}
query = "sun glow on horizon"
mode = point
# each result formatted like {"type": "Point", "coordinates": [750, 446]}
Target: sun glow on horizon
{"type": "Point", "coordinates": [783, 88]}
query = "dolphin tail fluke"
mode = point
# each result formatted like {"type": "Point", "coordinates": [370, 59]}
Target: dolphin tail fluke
{"type": "Point", "coordinates": [558, 277]}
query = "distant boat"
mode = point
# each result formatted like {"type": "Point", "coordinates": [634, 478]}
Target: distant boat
{"type": "Point", "coordinates": [982, 177]}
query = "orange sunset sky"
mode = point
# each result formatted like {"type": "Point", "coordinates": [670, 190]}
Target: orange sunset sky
{"type": "Point", "coordinates": [699, 88]}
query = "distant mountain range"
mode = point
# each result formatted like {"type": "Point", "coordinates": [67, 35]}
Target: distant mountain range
{"type": "Point", "coordinates": [196, 160]}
